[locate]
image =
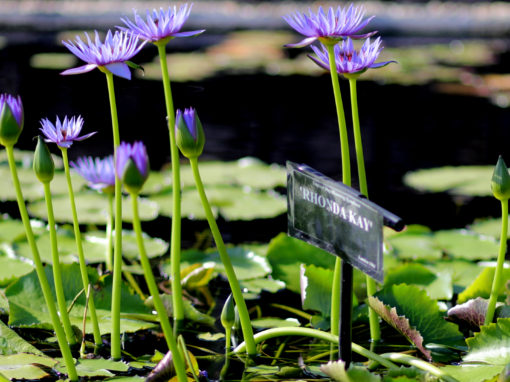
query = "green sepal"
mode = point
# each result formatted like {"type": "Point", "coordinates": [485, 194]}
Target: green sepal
{"type": "Point", "coordinates": [132, 65]}
{"type": "Point", "coordinates": [228, 313]}
{"type": "Point", "coordinates": [500, 183]}
{"type": "Point", "coordinates": [132, 178]}
{"type": "Point", "coordinates": [189, 146]}
{"type": "Point", "coordinates": [10, 130]}
{"type": "Point", "coordinates": [44, 167]}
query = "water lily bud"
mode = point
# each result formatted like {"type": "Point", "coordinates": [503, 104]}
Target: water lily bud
{"type": "Point", "coordinates": [500, 183]}
{"type": "Point", "coordinates": [228, 314]}
{"type": "Point", "coordinates": [132, 166]}
{"type": "Point", "coordinates": [189, 134]}
{"type": "Point", "coordinates": [44, 167]}
{"type": "Point", "coordinates": [11, 119]}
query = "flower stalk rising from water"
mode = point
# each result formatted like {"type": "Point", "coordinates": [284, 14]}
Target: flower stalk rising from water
{"type": "Point", "coordinates": [112, 58]}
{"type": "Point", "coordinates": [132, 167]}
{"type": "Point", "coordinates": [500, 185]}
{"type": "Point", "coordinates": [159, 28]}
{"type": "Point", "coordinates": [64, 134]}
{"type": "Point", "coordinates": [351, 64]}
{"type": "Point", "coordinates": [190, 139]}
{"type": "Point", "coordinates": [11, 125]}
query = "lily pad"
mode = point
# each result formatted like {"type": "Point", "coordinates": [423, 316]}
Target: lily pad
{"type": "Point", "coordinates": [274, 322]}
{"type": "Point", "coordinates": [11, 268]}
{"type": "Point", "coordinates": [487, 227]}
{"type": "Point", "coordinates": [416, 242]}
{"type": "Point", "coordinates": [28, 307]}
{"type": "Point", "coordinates": [482, 285]}
{"type": "Point", "coordinates": [12, 343]}
{"type": "Point", "coordinates": [473, 372]}
{"type": "Point", "coordinates": [409, 310]}
{"type": "Point", "coordinates": [25, 366]}
{"type": "Point", "coordinates": [491, 344]}
{"type": "Point", "coordinates": [232, 202]}
{"type": "Point", "coordinates": [286, 254]}
{"type": "Point", "coordinates": [471, 312]}
{"type": "Point", "coordinates": [95, 367]}
{"type": "Point", "coordinates": [463, 244]}
{"type": "Point", "coordinates": [461, 180]}
{"type": "Point", "coordinates": [247, 264]}
{"type": "Point", "coordinates": [92, 208]}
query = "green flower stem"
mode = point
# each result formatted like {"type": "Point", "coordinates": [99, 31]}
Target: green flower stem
{"type": "Point", "coordinates": [375, 330]}
{"type": "Point", "coordinates": [117, 252]}
{"type": "Point", "coordinates": [229, 269]}
{"type": "Point", "coordinates": [496, 284]}
{"type": "Point", "coordinates": [175, 242]}
{"type": "Point", "coordinates": [81, 257]}
{"type": "Point", "coordinates": [48, 296]}
{"type": "Point", "coordinates": [346, 179]}
{"type": "Point", "coordinates": [57, 271]}
{"type": "Point", "coordinates": [153, 288]}
{"type": "Point", "coordinates": [406, 359]}
{"type": "Point", "coordinates": [109, 233]}
{"type": "Point", "coordinates": [314, 333]}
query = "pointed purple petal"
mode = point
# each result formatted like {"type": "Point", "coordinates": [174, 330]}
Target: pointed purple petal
{"type": "Point", "coordinates": [85, 136]}
{"type": "Point", "coordinates": [381, 64]}
{"type": "Point", "coordinates": [188, 34]}
{"type": "Point", "coordinates": [319, 62]}
{"type": "Point", "coordinates": [361, 36]}
{"type": "Point", "coordinates": [307, 41]}
{"type": "Point", "coordinates": [119, 69]}
{"type": "Point", "coordinates": [79, 70]}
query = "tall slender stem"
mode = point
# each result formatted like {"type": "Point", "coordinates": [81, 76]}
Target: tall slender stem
{"type": "Point", "coordinates": [346, 179]}
{"type": "Point", "coordinates": [48, 297]}
{"type": "Point", "coordinates": [117, 252]}
{"type": "Point", "coordinates": [244, 316]}
{"type": "Point", "coordinates": [153, 289]}
{"type": "Point", "coordinates": [81, 257]}
{"type": "Point", "coordinates": [175, 242]}
{"type": "Point", "coordinates": [109, 233]}
{"type": "Point", "coordinates": [375, 330]}
{"type": "Point", "coordinates": [57, 272]}
{"type": "Point", "coordinates": [498, 275]}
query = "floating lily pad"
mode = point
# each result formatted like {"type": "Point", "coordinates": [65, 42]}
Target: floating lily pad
{"type": "Point", "coordinates": [56, 61]}
{"type": "Point", "coordinates": [247, 264]}
{"type": "Point", "coordinates": [28, 307]}
{"type": "Point", "coordinates": [471, 312]}
{"type": "Point", "coordinates": [92, 208]}
{"type": "Point", "coordinates": [491, 344]}
{"type": "Point", "coordinates": [482, 285]}
{"type": "Point", "coordinates": [416, 242]}
{"type": "Point", "coordinates": [24, 159]}
{"type": "Point", "coordinates": [316, 286]}
{"type": "Point", "coordinates": [25, 366]}
{"type": "Point", "coordinates": [190, 312]}
{"type": "Point", "coordinates": [12, 343]}
{"type": "Point", "coordinates": [95, 367]}
{"type": "Point", "coordinates": [286, 254]}
{"type": "Point", "coordinates": [11, 230]}
{"type": "Point", "coordinates": [473, 372]}
{"type": "Point", "coordinates": [462, 180]}
{"type": "Point", "coordinates": [274, 322]}
{"type": "Point", "coordinates": [12, 268]}
{"type": "Point", "coordinates": [468, 245]}
{"type": "Point", "coordinates": [409, 310]}
{"type": "Point", "coordinates": [233, 203]}
{"type": "Point", "coordinates": [336, 371]}
{"type": "Point", "coordinates": [487, 227]}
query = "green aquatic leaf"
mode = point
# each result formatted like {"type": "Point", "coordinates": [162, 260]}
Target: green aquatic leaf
{"type": "Point", "coordinates": [336, 371]}
{"type": "Point", "coordinates": [487, 227]}
{"type": "Point", "coordinates": [463, 244]}
{"type": "Point", "coordinates": [274, 322]}
{"type": "Point", "coordinates": [11, 230]}
{"type": "Point", "coordinates": [232, 202]}
{"type": "Point", "coordinates": [473, 372]}
{"type": "Point", "coordinates": [92, 208]}
{"type": "Point", "coordinates": [190, 312]}
{"type": "Point", "coordinates": [471, 312]}
{"type": "Point", "coordinates": [247, 264]}
{"type": "Point", "coordinates": [286, 254]}
{"type": "Point", "coordinates": [27, 307]}
{"type": "Point", "coordinates": [25, 366]}
{"type": "Point", "coordinates": [437, 286]}
{"type": "Point", "coordinates": [462, 180]}
{"type": "Point", "coordinates": [10, 267]}
{"type": "Point", "coordinates": [491, 344]}
{"type": "Point", "coordinates": [12, 343]}
{"type": "Point", "coordinates": [482, 285]}
{"type": "Point", "coordinates": [95, 367]}
{"type": "Point", "coordinates": [416, 242]}
{"type": "Point", "coordinates": [409, 310]}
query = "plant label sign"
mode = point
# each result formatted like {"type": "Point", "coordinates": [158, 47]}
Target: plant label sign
{"type": "Point", "coordinates": [337, 218]}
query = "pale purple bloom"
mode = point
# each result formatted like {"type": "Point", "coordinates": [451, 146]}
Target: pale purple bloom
{"type": "Point", "coordinates": [331, 27]}
{"type": "Point", "coordinates": [161, 24]}
{"type": "Point", "coordinates": [13, 103]}
{"type": "Point", "coordinates": [112, 54]}
{"type": "Point", "coordinates": [137, 153]}
{"type": "Point", "coordinates": [99, 173]}
{"type": "Point", "coordinates": [65, 132]}
{"type": "Point", "coordinates": [348, 60]}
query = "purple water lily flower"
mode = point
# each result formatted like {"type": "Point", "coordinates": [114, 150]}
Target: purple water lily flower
{"type": "Point", "coordinates": [11, 119]}
{"type": "Point", "coordinates": [161, 24]}
{"type": "Point", "coordinates": [348, 60]}
{"type": "Point", "coordinates": [132, 165]}
{"type": "Point", "coordinates": [65, 132]}
{"type": "Point", "coordinates": [112, 54]}
{"type": "Point", "coordinates": [331, 27]}
{"type": "Point", "coordinates": [98, 172]}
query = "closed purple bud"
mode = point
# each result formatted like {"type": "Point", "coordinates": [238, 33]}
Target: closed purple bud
{"type": "Point", "coordinates": [189, 134]}
{"type": "Point", "coordinates": [11, 119]}
{"type": "Point", "coordinates": [132, 166]}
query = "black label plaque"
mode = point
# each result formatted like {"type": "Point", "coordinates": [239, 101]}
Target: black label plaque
{"type": "Point", "coordinates": [336, 218]}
